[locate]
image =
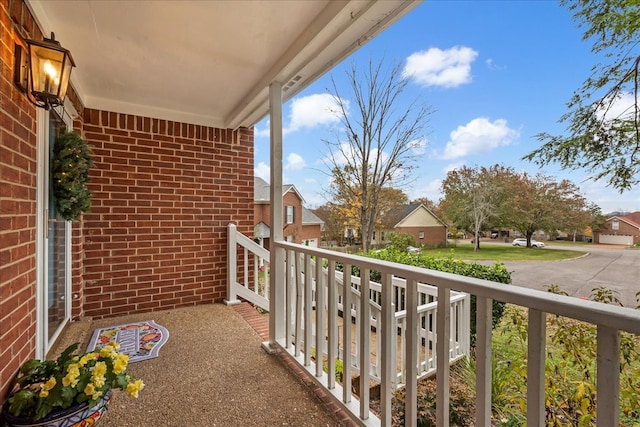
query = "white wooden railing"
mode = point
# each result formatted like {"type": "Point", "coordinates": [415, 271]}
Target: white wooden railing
{"type": "Point", "coordinates": [294, 289]}
{"type": "Point", "coordinates": [249, 280]}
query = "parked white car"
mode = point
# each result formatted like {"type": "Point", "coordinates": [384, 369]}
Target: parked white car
{"type": "Point", "coordinates": [414, 250]}
{"type": "Point", "coordinates": [521, 241]}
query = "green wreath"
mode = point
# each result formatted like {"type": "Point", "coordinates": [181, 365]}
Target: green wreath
{"type": "Point", "coordinates": [70, 174]}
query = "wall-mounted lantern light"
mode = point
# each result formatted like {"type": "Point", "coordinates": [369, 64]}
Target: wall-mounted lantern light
{"type": "Point", "coordinates": [43, 73]}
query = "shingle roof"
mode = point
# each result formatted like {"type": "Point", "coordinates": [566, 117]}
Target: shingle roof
{"type": "Point", "coordinates": [309, 217]}
{"type": "Point", "coordinates": [261, 192]}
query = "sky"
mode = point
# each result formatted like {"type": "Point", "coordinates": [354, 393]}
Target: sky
{"type": "Point", "coordinates": [495, 74]}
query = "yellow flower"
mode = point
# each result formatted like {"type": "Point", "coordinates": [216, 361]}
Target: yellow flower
{"type": "Point", "coordinates": [134, 387]}
{"type": "Point", "coordinates": [100, 369]}
{"type": "Point", "coordinates": [97, 376]}
{"type": "Point", "coordinates": [115, 344]}
{"type": "Point", "coordinates": [90, 390]}
{"type": "Point", "coordinates": [120, 364]}
{"type": "Point", "coordinates": [86, 359]}
{"type": "Point", "coordinates": [73, 372]}
{"type": "Point", "coordinates": [44, 392]}
{"type": "Point", "coordinates": [107, 351]}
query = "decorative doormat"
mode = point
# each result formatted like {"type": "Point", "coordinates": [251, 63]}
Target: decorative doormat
{"type": "Point", "coordinates": [138, 340]}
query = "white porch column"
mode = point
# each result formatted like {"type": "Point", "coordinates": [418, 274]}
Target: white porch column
{"type": "Point", "coordinates": [277, 255]}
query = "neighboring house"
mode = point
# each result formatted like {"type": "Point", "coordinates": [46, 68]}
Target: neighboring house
{"type": "Point", "coordinates": [169, 116]}
{"type": "Point", "coordinates": [619, 230]}
{"type": "Point", "coordinates": [419, 221]}
{"type": "Point", "coordinates": [300, 224]}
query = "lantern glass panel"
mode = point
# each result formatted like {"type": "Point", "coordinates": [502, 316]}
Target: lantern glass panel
{"type": "Point", "coordinates": [46, 69]}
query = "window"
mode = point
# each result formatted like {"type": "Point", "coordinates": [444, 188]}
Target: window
{"type": "Point", "coordinates": [374, 235]}
{"type": "Point", "coordinates": [421, 235]}
{"type": "Point", "coordinates": [289, 212]}
{"type": "Point", "coordinates": [615, 224]}
{"type": "Point", "coordinates": [382, 236]}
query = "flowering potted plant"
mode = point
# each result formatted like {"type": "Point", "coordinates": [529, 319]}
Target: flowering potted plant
{"type": "Point", "coordinates": [70, 389]}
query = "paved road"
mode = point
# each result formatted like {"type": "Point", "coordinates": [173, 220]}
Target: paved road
{"type": "Point", "coordinates": [612, 267]}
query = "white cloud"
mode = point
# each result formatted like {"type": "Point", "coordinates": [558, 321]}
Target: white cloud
{"type": "Point", "coordinates": [295, 162]}
{"type": "Point", "coordinates": [418, 146]}
{"type": "Point", "coordinates": [621, 107]}
{"type": "Point", "coordinates": [311, 111]}
{"type": "Point", "coordinates": [453, 166]}
{"type": "Point", "coordinates": [493, 66]}
{"type": "Point", "coordinates": [430, 190]}
{"type": "Point", "coordinates": [262, 133]}
{"type": "Point", "coordinates": [262, 171]}
{"type": "Point", "coordinates": [436, 67]}
{"type": "Point", "coordinates": [479, 136]}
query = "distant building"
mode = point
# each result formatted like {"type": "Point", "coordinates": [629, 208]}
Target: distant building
{"type": "Point", "coordinates": [415, 219]}
{"type": "Point", "coordinates": [300, 224]}
{"type": "Point", "coordinates": [619, 230]}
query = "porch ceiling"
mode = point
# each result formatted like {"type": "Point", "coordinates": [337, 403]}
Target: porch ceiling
{"type": "Point", "coordinates": [206, 62]}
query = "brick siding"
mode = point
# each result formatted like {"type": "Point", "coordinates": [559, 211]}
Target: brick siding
{"type": "Point", "coordinates": [433, 236]}
{"type": "Point", "coordinates": [17, 201]}
{"type": "Point", "coordinates": [163, 194]}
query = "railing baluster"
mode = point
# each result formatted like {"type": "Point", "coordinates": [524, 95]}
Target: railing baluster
{"type": "Point", "coordinates": [387, 344]}
{"type": "Point", "coordinates": [442, 355]}
{"type": "Point", "coordinates": [246, 269]}
{"type": "Point", "coordinates": [536, 354]}
{"type": "Point", "coordinates": [290, 283]}
{"type": "Point", "coordinates": [332, 313]}
{"type": "Point", "coordinates": [232, 253]}
{"type": "Point", "coordinates": [365, 342]}
{"type": "Point", "coordinates": [346, 332]}
{"type": "Point", "coordinates": [608, 375]}
{"type": "Point", "coordinates": [299, 313]}
{"type": "Point", "coordinates": [308, 309]}
{"type": "Point", "coordinates": [411, 343]}
{"type": "Point", "coordinates": [320, 313]}
{"type": "Point", "coordinates": [483, 361]}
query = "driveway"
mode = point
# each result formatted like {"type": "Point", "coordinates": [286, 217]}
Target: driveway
{"type": "Point", "coordinates": [615, 268]}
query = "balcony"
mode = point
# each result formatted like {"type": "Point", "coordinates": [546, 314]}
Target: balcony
{"type": "Point", "coordinates": [430, 317]}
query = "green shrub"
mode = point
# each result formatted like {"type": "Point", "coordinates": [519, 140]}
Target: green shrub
{"type": "Point", "coordinates": [496, 273]}
{"type": "Point", "coordinates": [401, 241]}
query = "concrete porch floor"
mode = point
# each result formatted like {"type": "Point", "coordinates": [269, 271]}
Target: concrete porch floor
{"type": "Point", "coordinates": [213, 372]}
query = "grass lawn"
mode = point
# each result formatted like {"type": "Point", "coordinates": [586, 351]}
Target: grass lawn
{"type": "Point", "coordinates": [503, 252]}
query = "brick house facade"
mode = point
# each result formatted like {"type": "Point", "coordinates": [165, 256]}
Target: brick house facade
{"type": "Point", "coordinates": [163, 194]}
{"type": "Point", "coordinates": [300, 224]}
{"type": "Point", "coordinates": [421, 223]}
{"type": "Point", "coordinates": [622, 230]}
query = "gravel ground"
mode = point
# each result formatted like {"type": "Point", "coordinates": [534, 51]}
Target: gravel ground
{"type": "Point", "coordinates": [211, 372]}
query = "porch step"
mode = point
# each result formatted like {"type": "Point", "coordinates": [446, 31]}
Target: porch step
{"type": "Point", "coordinates": [260, 323]}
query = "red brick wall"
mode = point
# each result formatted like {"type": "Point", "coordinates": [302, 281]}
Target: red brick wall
{"type": "Point", "coordinates": [294, 230]}
{"type": "Point", "coordinates": [310, 232]}
{"type": "Point", "coordinates": [261, 213]}
{"type": "Point", "coordinates": [624, 228]}
{"type": "Point", "coordinates": [433, 236]}
{"type": "Point", "coordinates": [163, 194]}
{"type": "Point", "coordinates": [17, 202]}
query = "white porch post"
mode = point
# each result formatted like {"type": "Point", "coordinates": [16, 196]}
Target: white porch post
{"type": "Point", "coordinates": [277, 255]}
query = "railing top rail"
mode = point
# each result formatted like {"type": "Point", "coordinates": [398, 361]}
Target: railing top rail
{"type": "Point", "coordinates": [620, 318]}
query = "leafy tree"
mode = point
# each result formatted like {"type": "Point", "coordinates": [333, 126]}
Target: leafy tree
{"type": "Point", "coordinates": [474, 197]}
{"type": "Point", "coordinates": [377, 142]}
{"type": "Point", "coordinates": [333, 224]}
{"type": "Point", "coordinates": [603, 121]}
{"type": "Point", "coordinates": [428, 203]}
{"type": "Point", "coordinates": [540, 203]}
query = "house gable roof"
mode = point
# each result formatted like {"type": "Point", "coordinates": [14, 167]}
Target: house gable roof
{"type": "Point", "coordinates": [309, 218]}
{"type": "Point", "coordinates": [633, 219]}
{"type": "Point", "coordinates": [407, 211]}
{"type": "Point", "coordinates": [262, 194]}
